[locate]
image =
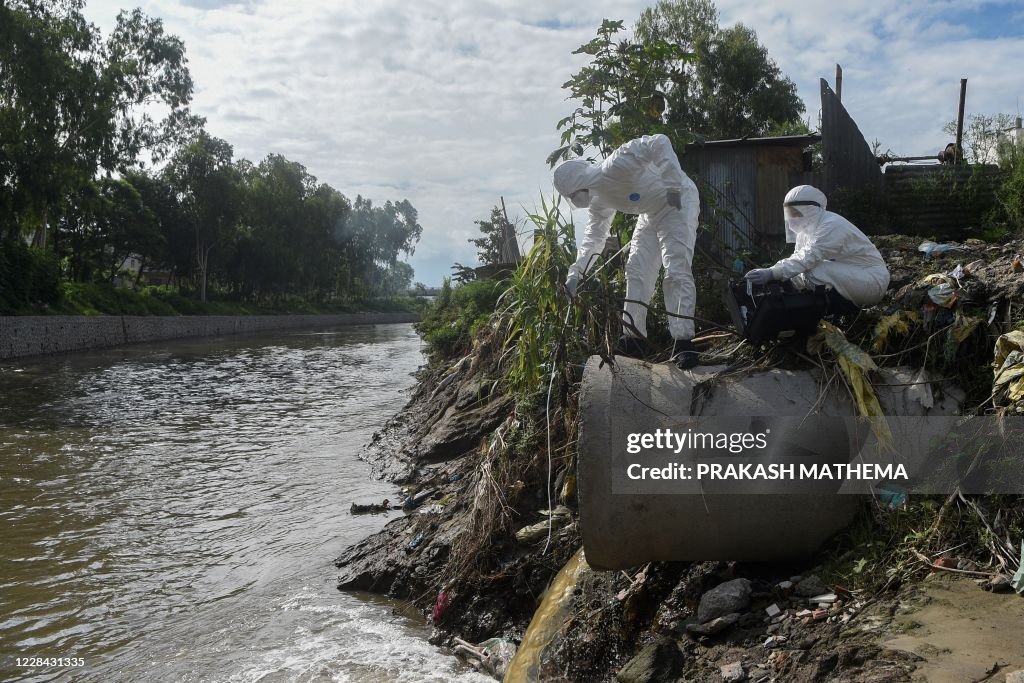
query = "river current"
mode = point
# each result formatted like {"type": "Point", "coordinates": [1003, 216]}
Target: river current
{"type": "Point", "coordinates": [170, 512]}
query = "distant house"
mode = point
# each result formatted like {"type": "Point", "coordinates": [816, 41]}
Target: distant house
{"type": "Point", "coordinates": [1009, 138]}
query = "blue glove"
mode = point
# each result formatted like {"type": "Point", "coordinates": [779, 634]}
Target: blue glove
{"type": "Point", "coordinates": [571, 283]}
{"type": "Point", "coordinates": [760, 276]}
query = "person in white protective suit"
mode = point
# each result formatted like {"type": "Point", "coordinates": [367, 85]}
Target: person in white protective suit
{"type": "Point", "coordinates": [829, 250]}
{"type": "Point", "coordinates": [641, 177]}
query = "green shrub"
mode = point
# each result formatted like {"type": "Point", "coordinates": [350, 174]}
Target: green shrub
{"type": "Point", "coordinates": [458, 312]}
{"type": "Point", "coordinates": [1010, 193]}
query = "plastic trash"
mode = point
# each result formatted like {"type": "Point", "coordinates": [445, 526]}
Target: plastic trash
{"type": "Point", "coordinates": [1009, 366]}
{"type": "Point", "coordinates": [1018, 579]}
{"type": "Point", "coordinates": [935, 249]}
{"type": "Point", "coordinates": [539, 531]}
{"type": "Point", "coordinates": [892, 496]}
{"type": "Point", "coordinates": [494, 654]}
{"type": "Point", "coordinates": [974, 266]}
{"type": "Point", "coordinates": [943, 295]}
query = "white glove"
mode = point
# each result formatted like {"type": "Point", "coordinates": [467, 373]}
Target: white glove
{"type": "Point", "coordinates": [571, 283]}
{"type": "Point", "coordinates": [674, 198]}
{"type": "Point", "coordinates": [760, 276]}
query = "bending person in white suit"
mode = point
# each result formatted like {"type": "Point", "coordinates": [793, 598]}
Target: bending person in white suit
{"type": "Point", "coordinates": [641, 177]}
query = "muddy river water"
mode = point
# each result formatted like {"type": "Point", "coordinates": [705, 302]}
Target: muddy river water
{"type": "Point", "coordinates": [171, 512]}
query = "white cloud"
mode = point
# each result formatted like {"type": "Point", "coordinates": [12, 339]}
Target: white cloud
{"type": "Point", "coordinates": [451, 104]}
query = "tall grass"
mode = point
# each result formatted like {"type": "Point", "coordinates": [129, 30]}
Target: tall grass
{"type": "Point", "coordinates": [544, 331]}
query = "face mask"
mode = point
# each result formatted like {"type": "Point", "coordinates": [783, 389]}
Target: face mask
{"type": "Point", "coordinates": [800, 219]}
{"type": "Point", "coordinates": [580, 199]}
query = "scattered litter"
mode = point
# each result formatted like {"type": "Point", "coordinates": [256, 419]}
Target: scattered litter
{"type": "Point", "coordinates": [891, 496]}
{"type": "Point", "coordinates": [934, 249]}
{"type": "Point", "coordinates": [774, 642]}
{"type": "Point", "coordinates": [434, 509]}
{"type": "Point", "coordinates": [1018, 579]}
{"type": "Point", "coordinates": [974, 266]}
{"type": "Point", "coordinates": [1009, 366]}
{"type": "Point", "coordinates": [825, 598]}
{"type": "Point", "coordinates": [785, 585]}
{"type": "Point", "coordinates": [493, 655]}
{"type": "Point", "coordinates": [1017, 266]}
{"type": "Point", "coordinates": [539, 531]}
{"type": "Point", "coordinates": [921, 390]}
{"type": "Point", "coordinates": [944, 295]}
{"type": "Point", "coordinates": [415, 542]}
{"type": "Point", "coordinates": [417, 499]}
{"type": "Point", "coordinates": [898, 323]}
{"type": "Point", "coordinates": [369, 508]}
{"type": "Point", "coordinates": [440, 606]}
{"type": "Point", "coordinates": [957, 272]}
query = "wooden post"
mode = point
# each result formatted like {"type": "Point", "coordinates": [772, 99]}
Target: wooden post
{"type": "Point", "coordinates": [960, 122]}
{"type": "Point", "coordinates": [839, 83]}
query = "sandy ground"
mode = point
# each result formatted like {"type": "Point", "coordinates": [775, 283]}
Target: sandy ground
{"type": "Point", "coordinates": [963, 633]}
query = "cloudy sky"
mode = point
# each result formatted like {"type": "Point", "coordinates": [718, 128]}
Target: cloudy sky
{"type": "Point", "coordinates": [453, 103]}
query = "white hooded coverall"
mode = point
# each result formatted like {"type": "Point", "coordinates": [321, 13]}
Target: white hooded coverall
{"type": "Point", "coordinates": [635, 179]}
{"type": "Point", "coordinates": [830, 250]}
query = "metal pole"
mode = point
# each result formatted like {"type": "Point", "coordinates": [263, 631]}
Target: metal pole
{"type": "Point", "coordinates": [839, 83]}
{"type": "Point", "coordinates": [960, 121]}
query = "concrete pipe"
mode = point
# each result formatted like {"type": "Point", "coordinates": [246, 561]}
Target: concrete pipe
{"type": "Point", "coordinates": [624, 525]}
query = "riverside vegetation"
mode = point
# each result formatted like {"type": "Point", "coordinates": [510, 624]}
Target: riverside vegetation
{"type": "Point", "coordinates": [486, 451]}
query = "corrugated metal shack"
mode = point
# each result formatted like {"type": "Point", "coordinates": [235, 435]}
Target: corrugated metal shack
{"type": "Point", "coordinates": [742, 184]}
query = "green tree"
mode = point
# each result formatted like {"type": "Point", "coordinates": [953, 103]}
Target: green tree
{"type": "Point", "coordinates": [172, 249]}
{"type": "Point", "coordinates": [72, 103]}
{"type": "Point", "coordinates": [490, 247]}
{"type": "Point", "coordinates": [621, 94]}
{"type": "Point", "coordinates": [208, 187]}
{"type": "Point", "coordinates": [731, 88]}
{"type": "Point", "coordinates": [372, 238]}
{"type": "Point", "coordinates": [125, 226]}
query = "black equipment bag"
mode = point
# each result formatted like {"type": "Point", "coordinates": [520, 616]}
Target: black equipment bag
{"type": "Point", "coordinates": [769, 312]}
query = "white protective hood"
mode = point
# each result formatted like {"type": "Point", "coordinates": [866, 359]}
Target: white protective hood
{"type": "Point", "coordinates": [811, 203]}
{"type": "Point", "coordinates": [575, 175]}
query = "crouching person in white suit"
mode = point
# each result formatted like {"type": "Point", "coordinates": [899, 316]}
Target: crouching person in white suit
{"type": "Point", "coordinates": [829, 250]}
{"type": "Point", "coordinates": [641, 177]}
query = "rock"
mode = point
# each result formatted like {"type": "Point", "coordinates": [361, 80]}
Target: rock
{"type": "Point", "coordinates": [726, 598]}
{"type": "Point", "coordinates": [774, 642]}
{"type": "Point", "coordinates": [824, 599]}
{"type": "Point", "coordinates": [660, 661]}
{"type": "Point", "coordinates": [460, 430]}
{"type": "Point", "coordinates": [1015, 677]}
{"type": "Point", "coordinates": [773, 610]}
{"type": "Point", "coordinates": [733, 673]}
{"type": "Point", "coordinates": [714, 626]}
{"type": "Point", "coordinates": [811, 586]}
{"type": "Point", "coordinates": [785, 585]}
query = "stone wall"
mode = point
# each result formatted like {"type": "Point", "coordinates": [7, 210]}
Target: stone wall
{"type": "Point", "coordinates": [35, 335]}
